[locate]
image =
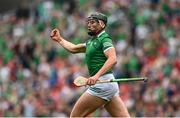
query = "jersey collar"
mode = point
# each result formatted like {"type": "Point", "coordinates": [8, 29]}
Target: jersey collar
{"type": "Point", "coordinates": [101, 33]}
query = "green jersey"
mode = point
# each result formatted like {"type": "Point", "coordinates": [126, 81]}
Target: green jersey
{"type": "Point", "coordinates": [95, 48]}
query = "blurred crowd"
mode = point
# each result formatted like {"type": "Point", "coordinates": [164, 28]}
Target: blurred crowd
{"type": "Point", "coordinates": [36, 74]}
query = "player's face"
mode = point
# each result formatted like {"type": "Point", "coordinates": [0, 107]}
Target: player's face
{"type": "Point", "coordinates": [93, 26]}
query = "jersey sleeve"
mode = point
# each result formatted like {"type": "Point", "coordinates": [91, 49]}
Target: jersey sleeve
{"type": "Point", "coordinates": [84, 44]}
{"type": "Point", "coordinates": [107, 44]}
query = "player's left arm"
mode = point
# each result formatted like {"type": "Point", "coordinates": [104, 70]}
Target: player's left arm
{"type": "Point", "coordinates": [110, 62]}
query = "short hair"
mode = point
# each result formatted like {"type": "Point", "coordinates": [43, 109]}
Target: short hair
{"type": "Point", "coordinates": [98, 16]}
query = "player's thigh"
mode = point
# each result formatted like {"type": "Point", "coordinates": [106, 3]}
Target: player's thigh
{"type": "Point", "coordinates": [116, 107]}
{"type": "Point", "coordinates": [86, 104]}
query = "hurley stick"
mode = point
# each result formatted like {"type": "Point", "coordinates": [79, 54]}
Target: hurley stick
{"type": "Point", "coordinates": [81, 81]}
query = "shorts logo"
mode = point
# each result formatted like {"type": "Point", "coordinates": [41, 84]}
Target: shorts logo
{"type": "Point", "coordinates": [97, 90]}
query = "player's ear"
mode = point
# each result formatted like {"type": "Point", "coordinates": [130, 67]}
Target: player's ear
{"type": "Point", "coordinates": [101, 23]}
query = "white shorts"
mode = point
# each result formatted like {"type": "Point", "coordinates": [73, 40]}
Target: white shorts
{"type": "Point", "coordinates": [104, 90]}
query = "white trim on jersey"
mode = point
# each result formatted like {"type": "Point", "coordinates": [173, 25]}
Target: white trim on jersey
{"type": "Point", "coordinates": [100, 33]}
{"type": "Point", "coordinates": [107, 49]}
{"type": "Point", "coordinates": [84, 44]}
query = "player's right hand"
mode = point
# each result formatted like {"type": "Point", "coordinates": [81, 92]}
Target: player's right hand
{"type": "Point", "coordinates": [55, 35]}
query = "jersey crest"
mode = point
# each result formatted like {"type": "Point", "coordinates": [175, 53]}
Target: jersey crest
{"type": "Point", "coordinates": [96, 44]}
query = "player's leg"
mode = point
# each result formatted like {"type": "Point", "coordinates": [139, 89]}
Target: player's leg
{"type": "Point", "coordinates": [117, 108]}
{"type": "Point", "coordinates": [86, 104]}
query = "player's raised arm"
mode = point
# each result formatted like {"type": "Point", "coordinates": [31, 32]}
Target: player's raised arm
{"type": "Point", "coordinates": [79, 48]}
